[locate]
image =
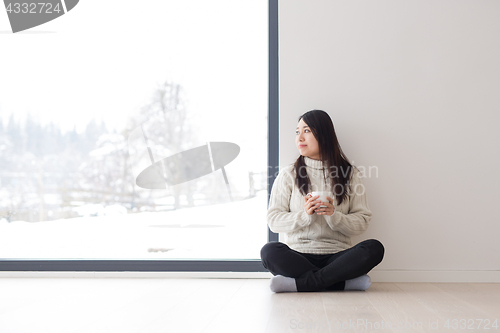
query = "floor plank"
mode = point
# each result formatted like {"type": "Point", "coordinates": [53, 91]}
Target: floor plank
{"type": "Point", "coordinates": [294, 312]}
{"type": "Point", "coordinates": [248, 311]}
{"type": "Point", "coordinates": [446, 308]}
{"type": "Point", "coordinates": [62, 305]}
{"type": "Point", "coordinates": [143, 305]}
{"type": "Point", "coordinates": [351, 311]}
{"type": "Point", "coordinates": [195, 311]}
{"type": "Point", "coordinates": [484, 296]}
{"type": "Point", "coordinates": [400, 312]}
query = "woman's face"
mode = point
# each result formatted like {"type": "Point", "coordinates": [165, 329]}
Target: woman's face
{"type": "Point", "coordinates": [306, 142]}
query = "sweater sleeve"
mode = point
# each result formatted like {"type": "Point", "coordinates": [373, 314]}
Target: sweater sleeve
{"type": "Point", "coordinates": [356, 221]}
{"type": "Point", "coordinates": [279, 217]}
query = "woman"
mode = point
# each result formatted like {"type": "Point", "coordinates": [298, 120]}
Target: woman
{"type": "Point", "coordinates": [317, 253]}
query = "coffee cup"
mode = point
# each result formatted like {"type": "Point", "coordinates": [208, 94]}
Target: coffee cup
{"type": "Point", "coordinates": [322, 196]}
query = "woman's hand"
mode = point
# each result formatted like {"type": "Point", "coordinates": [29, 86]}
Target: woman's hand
{"type": "Point", "coordinates": [328, 210]}
{"type": "Point", "coordinates": [311, 204]}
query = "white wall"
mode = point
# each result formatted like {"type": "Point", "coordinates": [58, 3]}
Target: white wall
{"type": "Point", "coordinates": [413, 88]}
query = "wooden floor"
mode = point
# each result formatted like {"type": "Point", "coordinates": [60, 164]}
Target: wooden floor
{"type": "Point", "coordinates": [122, 305]}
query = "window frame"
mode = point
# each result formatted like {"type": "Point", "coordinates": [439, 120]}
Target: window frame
{"type": "Point", "coordinates": [146, 265]}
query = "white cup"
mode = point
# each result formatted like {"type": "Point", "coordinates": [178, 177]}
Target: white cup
{"type": "Point", "coordinates": [322, 196]}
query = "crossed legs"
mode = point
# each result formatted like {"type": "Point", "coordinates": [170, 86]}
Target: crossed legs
{"type": "Point", "coordinates": [314, 272]}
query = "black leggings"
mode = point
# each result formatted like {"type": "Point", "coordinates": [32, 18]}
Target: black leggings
{"type": "Point", "coordinates": [317, 272]}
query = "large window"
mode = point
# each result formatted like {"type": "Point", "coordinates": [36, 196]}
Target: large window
{"type": "Point", "coordinates": [136, 131]}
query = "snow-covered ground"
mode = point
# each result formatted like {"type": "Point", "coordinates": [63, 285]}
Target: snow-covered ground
{"type": "Point", "coordinates": [234, 230]}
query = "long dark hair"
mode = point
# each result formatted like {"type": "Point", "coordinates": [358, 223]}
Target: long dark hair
{"type": "Point", "coordinates": [337, 164]}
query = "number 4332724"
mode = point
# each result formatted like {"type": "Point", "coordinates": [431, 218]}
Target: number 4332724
{"type": "Point", "coordinates": [471, 324]}
{"type": "Point", "coordinates": [33, 8]}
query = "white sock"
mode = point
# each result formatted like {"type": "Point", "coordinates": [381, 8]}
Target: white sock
{"type": "Point", "coordinates": [280, 283]}
{"type": "Point", "coordinates": [362, 282]}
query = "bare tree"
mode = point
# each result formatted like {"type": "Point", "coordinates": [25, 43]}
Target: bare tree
{"type": "Point", "coordinates": [168, 128]}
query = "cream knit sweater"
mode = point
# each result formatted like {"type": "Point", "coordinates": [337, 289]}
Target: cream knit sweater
{"type": "Point", "coordinates": [318, 234]}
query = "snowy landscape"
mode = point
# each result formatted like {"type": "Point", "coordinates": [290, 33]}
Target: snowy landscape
{"type": "Point", "coordinates": [234, 230]}
{"type": "Point", "coordinates": [69, 160]}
